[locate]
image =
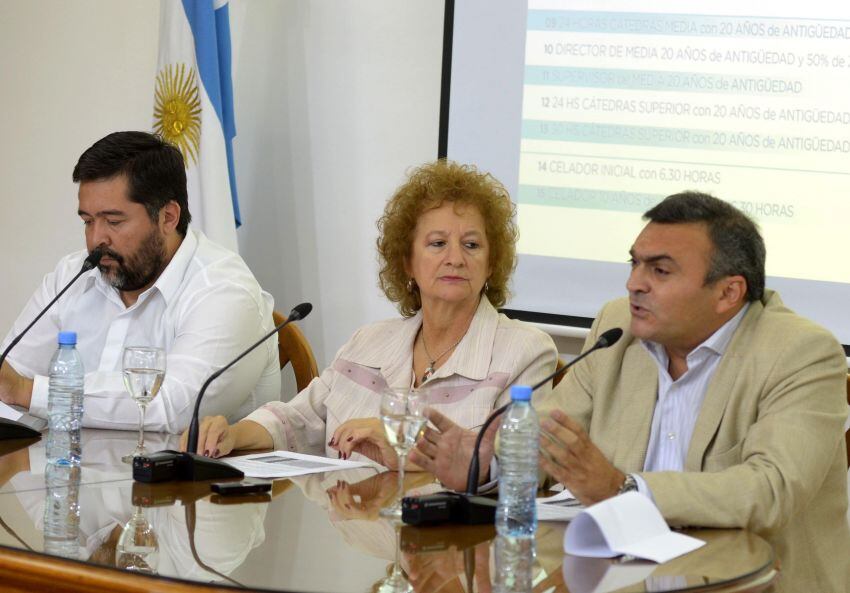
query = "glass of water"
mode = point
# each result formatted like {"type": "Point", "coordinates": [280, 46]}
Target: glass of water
{"type": "Point", "coordinates": [144, 370]}
{"type": "Point", "coordinates": [403, 419]}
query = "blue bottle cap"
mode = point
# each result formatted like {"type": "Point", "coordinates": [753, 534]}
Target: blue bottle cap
{"type": "Point", "coordinates": [67, 338]}
{"type": "Point", "coordinates": [520, 393]}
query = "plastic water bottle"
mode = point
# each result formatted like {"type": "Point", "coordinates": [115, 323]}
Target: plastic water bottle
{"type": "Point", "coordinates": [514, 561]}
{"type": "Point", "coordinates": [516, 515]}
{"type": "Point", "coordinates": [62, 510]}
{"type": "Point", "coordinates": [65, 402]}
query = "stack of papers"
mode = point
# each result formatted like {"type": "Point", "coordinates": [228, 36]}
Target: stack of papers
{"type": "Point", "coordinates": [286, 464]}
{"type": "Point", "coordinates": [560, 507]}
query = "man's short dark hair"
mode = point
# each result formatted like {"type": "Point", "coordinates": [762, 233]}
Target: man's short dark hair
{"type": "Point", "coordinates": [738, 245]}
{"type": "Point", "coordinates": [154, 168]}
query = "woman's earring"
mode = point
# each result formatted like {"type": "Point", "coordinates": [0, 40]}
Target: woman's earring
{"type": "Point", "coordinates": [486, 285]}
{"type": "Point", "coordinates": [411, 284]}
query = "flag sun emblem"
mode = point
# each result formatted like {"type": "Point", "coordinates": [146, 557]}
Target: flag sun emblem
{"type": "Point", "coordinates": [177, 111]}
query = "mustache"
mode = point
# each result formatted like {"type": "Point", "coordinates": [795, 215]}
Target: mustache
{"type": "Point", "coordinates": [106, 252]}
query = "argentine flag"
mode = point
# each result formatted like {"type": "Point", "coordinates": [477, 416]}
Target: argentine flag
{"type": "Point", "coordinates": [193, 109]}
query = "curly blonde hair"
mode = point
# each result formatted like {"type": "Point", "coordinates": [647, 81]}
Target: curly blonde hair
{"type": "Point", "coordinates": [428, 187]}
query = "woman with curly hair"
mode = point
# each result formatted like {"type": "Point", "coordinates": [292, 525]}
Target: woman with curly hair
{"type": "Point", "coordinates": [447, 249]}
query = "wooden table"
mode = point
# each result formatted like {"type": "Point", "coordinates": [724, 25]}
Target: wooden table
{"type": "Point", "coordinates": [320, 533]}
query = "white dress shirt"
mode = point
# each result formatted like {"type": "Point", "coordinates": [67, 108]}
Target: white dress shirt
{"type": "Point", "coordinates": [679, 401]}
{"type": "Point", "coordinates": [204, 309]}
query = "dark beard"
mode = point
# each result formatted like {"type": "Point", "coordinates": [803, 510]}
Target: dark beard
{"type": "Point", "coordinates": [138, 269]}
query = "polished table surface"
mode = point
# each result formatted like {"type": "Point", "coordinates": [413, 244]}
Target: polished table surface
{"type": "Point", "coordinates": [319, 533]}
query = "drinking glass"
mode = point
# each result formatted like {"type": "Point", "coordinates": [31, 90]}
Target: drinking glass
{"type": "Point", "coordinates": [137, 549]}
{"type": "Point", "coordinates": [144, 370]}
{"type": "Point", "coordinates": [401, 414]}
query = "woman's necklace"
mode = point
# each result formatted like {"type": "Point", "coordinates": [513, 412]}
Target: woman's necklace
{"type": "Point", "coordinates": [433, 359]}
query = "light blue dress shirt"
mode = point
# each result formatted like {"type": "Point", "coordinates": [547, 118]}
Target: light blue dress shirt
{"type": "Point", "coordinates": [679, 401]}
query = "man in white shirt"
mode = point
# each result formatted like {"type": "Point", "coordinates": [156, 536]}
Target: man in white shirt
{"type": "Point", "coordinates": [159, 283]}
{"type": "Point", "coordinates": [718, 403]}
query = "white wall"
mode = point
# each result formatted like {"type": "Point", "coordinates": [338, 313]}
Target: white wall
{"type": "Point", "coordinates": [335, 100]}
{"type": "Point", "coordinates": [70, 72]}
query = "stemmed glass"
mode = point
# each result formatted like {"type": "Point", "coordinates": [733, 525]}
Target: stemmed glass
{"type": "Point", "coordinates": [403, 419]}
{"type": "Point", "coordinates": [144, 370]}
{"type": "Point", "coordinates": [137, 549]}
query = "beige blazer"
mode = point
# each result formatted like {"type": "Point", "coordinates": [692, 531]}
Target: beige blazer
{"type": "Point", "coordinates": [495, 353]}
{"type": "Point", "coordinates": [767, 452]}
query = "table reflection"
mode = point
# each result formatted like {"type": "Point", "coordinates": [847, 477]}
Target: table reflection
{"type": "Point", "coordinates": [286, 539]}
{"type": "Point", "coordinates": [137, 548]}
{"type": "Point", "coordinates": [62, 510]}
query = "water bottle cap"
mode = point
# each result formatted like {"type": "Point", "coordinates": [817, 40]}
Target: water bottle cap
{"type": "Point", "coordinates": [520, 393]}
{"type": "Point", "coordinates": [67, 338]}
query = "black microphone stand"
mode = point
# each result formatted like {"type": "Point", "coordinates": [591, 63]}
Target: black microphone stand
{"type": "Point", "coordinates": [468, 508]}
{"type": "Point", "coordinates": [10, 429]}
{"type": "Point", "coordinates": [605, 340]}
{"type": "Point", "coordinates": [188, 465]}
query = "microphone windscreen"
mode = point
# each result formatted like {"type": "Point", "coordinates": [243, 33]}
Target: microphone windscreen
{"type": "Point", "coordinates": [300, 311]}
{"type": "Point", "coordinates": [610, 337]}
{"type": "Point", "coordinates": [93, 259]}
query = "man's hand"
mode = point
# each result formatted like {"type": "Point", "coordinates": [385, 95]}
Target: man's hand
{"type": "Point", "coordinates": [14, 389]}
{"type": "Point", "coordinates": [446, 452]}
{"type": "Point", "coordinates": [569, 456]}
{"type": "Point", "coordinates": [367, 437]}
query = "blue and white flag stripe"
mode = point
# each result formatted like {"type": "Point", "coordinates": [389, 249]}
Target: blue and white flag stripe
{"type": "Point", "coordinates": [194, 109]}
{"type": "Point", "coordinates": [210, 23]}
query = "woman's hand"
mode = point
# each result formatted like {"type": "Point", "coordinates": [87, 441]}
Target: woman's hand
{"type": "Point", "coordinates": [365, 436]}
{"type": "Point", "coordinates": [215, 437]}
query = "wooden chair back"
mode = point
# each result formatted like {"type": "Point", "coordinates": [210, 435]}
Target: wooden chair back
{"type": "Point", "coordinates": [293, 348]}
{"type": "Point", "coordinates": [847, 434]}
{"type": "Point", "coordinates": [558, 378]}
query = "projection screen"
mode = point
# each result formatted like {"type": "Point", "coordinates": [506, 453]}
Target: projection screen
{"type": "Point", "coordinates": [591, 112]}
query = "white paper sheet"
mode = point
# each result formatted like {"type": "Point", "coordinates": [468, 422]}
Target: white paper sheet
{"type": "Point", "coordinates": [286, 464]}
{"type": "Point", "coordinates": [626, 524]}
{"type": "Point", "coordinates": [560, 507]}
{"type": "Point", "coordinates": [563, 496]}
{"type": "Point", "coordinates": [555, 512]}
{"type": "Point", "coordinates": [9, 412]}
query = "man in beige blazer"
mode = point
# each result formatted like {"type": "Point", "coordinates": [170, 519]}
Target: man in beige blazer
{"type": "Point", "coordinates": [719, 403]}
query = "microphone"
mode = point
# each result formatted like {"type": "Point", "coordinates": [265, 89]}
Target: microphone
{"type": "Point", "coordinates": [188, 465]}
{"type": "Point", "coordinates": [469, 508]}
{"type": "Point", "coordinates": [608, 338]}
{"type": "Point", "coordinates": [9, 429]}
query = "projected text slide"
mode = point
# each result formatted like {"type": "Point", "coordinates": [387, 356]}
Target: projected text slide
{"type": "Point", "coordinates": [621, 108]}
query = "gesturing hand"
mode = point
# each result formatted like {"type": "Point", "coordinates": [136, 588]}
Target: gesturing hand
{"type": "Point", "coordinates": [446, 451]}
{"type": "Point", "coordinates": [571, 458]}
